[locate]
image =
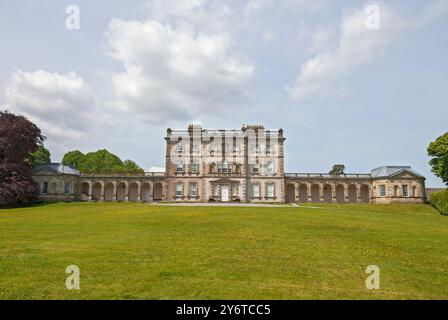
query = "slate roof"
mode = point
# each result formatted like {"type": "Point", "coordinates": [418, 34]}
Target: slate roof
{"type": "Point", "coordinates": [58, 168]}
{"type": "Point", "coordinates": [390, 171]}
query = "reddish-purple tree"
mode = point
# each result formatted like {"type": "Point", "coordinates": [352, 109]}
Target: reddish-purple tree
{"type": "Point", "coordinates": [19, 137]}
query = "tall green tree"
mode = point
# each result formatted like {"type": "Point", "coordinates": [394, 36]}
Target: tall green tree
{"type": "Point", "coordinates": [438, 151]}
{"type": "Point", "coordinates": [337, 169]}
{"type": "Point", "coordinates": [73, 158]}
{"type": "Point", "coordinates": [101, 161]}
{"type": "Point", "coordinates": [130, 166]}
{"type": "Point", "coordinates": [41, 156]}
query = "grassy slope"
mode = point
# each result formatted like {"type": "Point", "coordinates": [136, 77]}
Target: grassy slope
{"type": "Point", "coordinates": [137, 251]}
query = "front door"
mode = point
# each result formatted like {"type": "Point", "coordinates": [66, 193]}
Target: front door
{"type": "Point", "coordinates": [225, 193]}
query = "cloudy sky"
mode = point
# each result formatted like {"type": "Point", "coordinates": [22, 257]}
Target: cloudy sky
{"type": "Point", "coordinates": [343, 90]}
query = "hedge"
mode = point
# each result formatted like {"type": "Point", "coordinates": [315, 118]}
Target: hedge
{"type": "Point", "coordinates": [439, 200]}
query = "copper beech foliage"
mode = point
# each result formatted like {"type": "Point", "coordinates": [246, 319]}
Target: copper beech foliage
{"type": "Point", "coordinates": [19, 138]}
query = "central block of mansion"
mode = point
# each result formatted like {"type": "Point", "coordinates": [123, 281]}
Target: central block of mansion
{"type": "Point", "coordinates": [221, 165]}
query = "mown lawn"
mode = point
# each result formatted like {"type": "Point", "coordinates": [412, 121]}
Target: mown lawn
{"type": "Point", "coordinates": [140, 251]}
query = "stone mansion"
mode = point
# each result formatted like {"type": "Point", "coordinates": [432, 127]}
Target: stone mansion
{"type": "Point", "coordinates": [222, 165]}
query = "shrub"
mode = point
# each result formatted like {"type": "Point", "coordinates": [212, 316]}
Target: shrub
{"type": "Point", "coordinates": [439, 200]}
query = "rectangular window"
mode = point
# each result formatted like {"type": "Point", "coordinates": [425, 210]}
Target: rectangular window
{"type": "Point", "coordinates": [194, 167]}
{"type": "Point", "coordinates": [225, 167]}
{"type": "Point", "coordinates": [382, 190]}
{"type": "Point", "coordinates": [196, 149]}
{"type": "Point", "coordinates": [270, 190]}
{"type": "Point", "coordinates": [67, 188]}
{"type": "Point", "coordinates": [179, 188]}
{"type": "Point", "coordinates": [256, 190]}
{"type": "Point", "coordinates": [45, 188]}
{"type": "Point", "coordinates": [268, 150]}
{"type": "Point", "coordinates": [179, 168]}
{"type": "Point", "coordinates": [213, 150]}
{"type": "Point", "coordinates": [255, 168]}
{"type": "Point", "coordinates": [270, 167]}
{"type": "Point", "coordinates": [193, 189]}
{"type": "Point", "coordinates": [405, 191]}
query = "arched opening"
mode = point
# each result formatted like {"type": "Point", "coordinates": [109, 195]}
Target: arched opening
{"type": "Point", "coordinates": [290, 193]}
{"type": "Point", "coordinates": [328, 197]}
{"type": "Point", "coordinates": [109, 192]}
{"type": "Point", "coordinates": [303, 193]}
{"type": "Point", "coordinates": [121, 192]}
{"type": "Point", "coordinates": [396, 188]}
{"type": "Point", "coordinates": [146, 192]}
{"type": "Point", "coordinates": [340, 196]}
{"type": "Point", "coordinates": [133, 192]}
{"type": "Point", "coordinates": [96, 191]}
{"type": "Point", "coordinates": [85, 191]}
{"type": "Point", "coordinates": [352, 193]}
{"type": "Point", "coordinates": [158, 188]}
{"type": "Point", "coordinates": [315, 193]}
{"type": "Point", "coordinates": [365, 197]}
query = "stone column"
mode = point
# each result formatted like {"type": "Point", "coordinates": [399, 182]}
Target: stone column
{"type": "Point", "coordinates": [89, 193]}
{"type": "Point", "coordinates": [333, 192]}
{"type": "Point", "coordinates": [309, 194]}
{"type": "Point", "coordinates": [102, 191]}
{"type": "Point", "coordinates": [114, 192]}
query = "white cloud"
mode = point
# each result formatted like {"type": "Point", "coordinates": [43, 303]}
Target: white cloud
{"type": "Point", "coordinates": [320, 76]}
{"type": "Point", "coordinates": [62, 105]}
{"type": "Point", "coordinates": [357, 45]}
{"type": "Point", "coordinates": [175, 71]}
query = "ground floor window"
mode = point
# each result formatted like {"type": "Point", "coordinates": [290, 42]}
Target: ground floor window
{"type": "Point", "coordinates": [45, 188]}
{"type": "Point", "coordinates": [270, 190]}
{"type": "Point", "coordinates": [179, 188]}
{"type": "Point", "coordinates": [193, 189]}
{"type": "Point", "coordinates": [67, 188]}
{"type": "Point", "coordinates": [256, 190]}
{"type": "Point", "coordinates": [382, 190]}
{"type": "Point", "coordinates": [405, 191]}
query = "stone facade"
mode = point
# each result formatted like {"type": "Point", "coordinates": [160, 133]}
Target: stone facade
{"type": "Point", "coordinates": [222, 165]}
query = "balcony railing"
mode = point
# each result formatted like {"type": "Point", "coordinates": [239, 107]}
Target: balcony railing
{"type": "Point", "coordinates": [124, 174]}
{"type": "Point", "coordinates": [327, 175]}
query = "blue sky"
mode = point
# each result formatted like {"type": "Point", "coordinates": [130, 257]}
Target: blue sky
{"type": "Point", "coordinates": [342, 92]}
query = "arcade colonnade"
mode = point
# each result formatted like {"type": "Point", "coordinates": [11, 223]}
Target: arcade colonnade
{"type": "Point", "coordinates": [328, 192]}
{"type": "Point", "coordinates": [121, 190]}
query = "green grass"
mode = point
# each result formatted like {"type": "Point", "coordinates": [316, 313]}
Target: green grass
{"type": "Point", "coordinates": [138, 251]}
